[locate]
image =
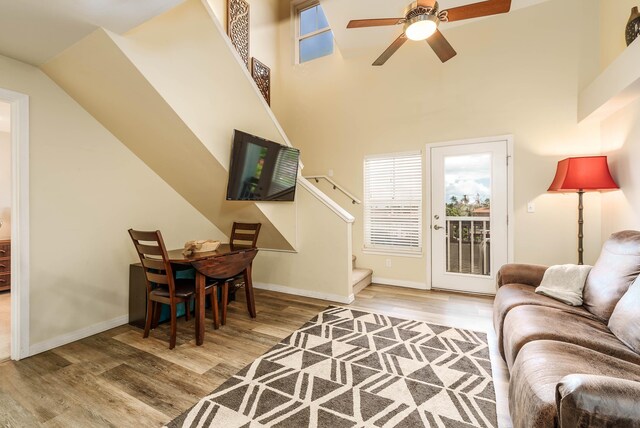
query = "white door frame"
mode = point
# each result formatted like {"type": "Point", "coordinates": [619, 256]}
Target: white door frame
{"type": "Point", "coordinates": [19, 222]}
{"type": "Point", "coordinates": [510, 193]}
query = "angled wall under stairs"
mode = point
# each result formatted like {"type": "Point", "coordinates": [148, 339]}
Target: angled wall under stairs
{"type": "Point", "coordinates": [172, 91]}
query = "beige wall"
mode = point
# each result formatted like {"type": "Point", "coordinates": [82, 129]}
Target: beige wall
{"type": "Point", "coordinates": [510, 77]}
{"type": "Point", "coordinates": [613, 21]}
{"type": "Point", "coordinates": [322, 266]}
{"type": "Point", "coordinates": [264, 35]}
{"type": "Point", "coordinates": [5, 185]}
{"type": "Point", "coordinates": [190, 94]}
{"type": "Point", "coordinates": [86, 190]}
{"type": "Point", "coordinates": [234, 103]}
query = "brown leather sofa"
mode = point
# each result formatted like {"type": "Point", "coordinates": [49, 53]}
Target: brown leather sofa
{"type": "Point", "coordinates": [574, 366]}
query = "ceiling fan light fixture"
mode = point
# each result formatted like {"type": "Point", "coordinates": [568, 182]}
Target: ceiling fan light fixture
{"type": "Point", "coordinates": [421, 27]}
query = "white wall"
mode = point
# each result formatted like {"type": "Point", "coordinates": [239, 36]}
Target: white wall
{"type": "Point", "coordinates": [510, 77]}
{"type": "Point", "coordinates": [86, 190]}
{"type": "Point", "coordinates": [620, 132]}
{"type": "Point", "coordinates": [620, 136]}
{"type": "Point", "coordinates": [5, 185]}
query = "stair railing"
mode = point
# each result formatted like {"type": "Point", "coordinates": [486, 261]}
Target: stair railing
{"type": "Point", "coordinates": [336, 186]}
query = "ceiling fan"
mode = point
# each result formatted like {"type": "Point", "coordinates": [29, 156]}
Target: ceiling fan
{"type": "Point", "coordinates": [421, 22]}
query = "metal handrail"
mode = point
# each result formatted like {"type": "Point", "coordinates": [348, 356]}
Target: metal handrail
{"type": "Point", "coordinates": [336, 186]}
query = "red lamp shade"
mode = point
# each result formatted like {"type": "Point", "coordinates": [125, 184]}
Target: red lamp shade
{"type": "Point", "coordinates": [583, 173]}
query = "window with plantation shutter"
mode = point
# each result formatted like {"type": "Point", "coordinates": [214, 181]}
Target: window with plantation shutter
{"type": "Point", "coordinates": [393, 203]}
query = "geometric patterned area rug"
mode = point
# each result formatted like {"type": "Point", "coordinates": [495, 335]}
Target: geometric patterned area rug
{"type": "Point", "coordinates": [351, 368]}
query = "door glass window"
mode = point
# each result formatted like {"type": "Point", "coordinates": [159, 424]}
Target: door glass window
{"type": "Point", "coordinates": [467, 181]}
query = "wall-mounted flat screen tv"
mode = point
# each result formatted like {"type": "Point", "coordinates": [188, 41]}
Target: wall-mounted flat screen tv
{"type": "Point", "coordinates": [261, 170]}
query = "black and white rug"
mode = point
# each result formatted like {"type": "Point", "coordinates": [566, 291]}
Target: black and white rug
{"type": "Point", "coordinates": [350, 368]}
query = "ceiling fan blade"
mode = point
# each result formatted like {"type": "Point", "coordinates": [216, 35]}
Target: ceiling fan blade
{"type": "Point", "coordinates": [476, 10]}
{"type": "Point", "coordinates": [441, 46]}
{"type": "Point", "coordinates": [360, 23]}
{"type": "Point", "coordinates": [391, 50]}
{"type": "Point", "coordinates": [426, 3]}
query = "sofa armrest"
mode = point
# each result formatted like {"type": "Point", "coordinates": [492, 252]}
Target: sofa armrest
{"type": "Point", "coordinates": [597, 401]}
{"type": "Point", "coordinates": [521, 274]}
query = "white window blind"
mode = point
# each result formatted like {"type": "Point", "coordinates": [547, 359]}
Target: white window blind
{"type": "Point", "coordinates": [393, 202]}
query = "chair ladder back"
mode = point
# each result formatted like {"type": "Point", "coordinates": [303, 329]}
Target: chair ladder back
{"type": "Point", "coordinates": [245, 235]}
{"type": "Point", "coordinates": [221, 268]}
{"type": "Point", "coordinates": [154, 259]}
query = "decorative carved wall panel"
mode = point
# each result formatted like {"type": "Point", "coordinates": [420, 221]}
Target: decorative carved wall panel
{"type": "Point", "coordinates": [262, 75]}
{"type": "Point", "coordinates": [238, 27]}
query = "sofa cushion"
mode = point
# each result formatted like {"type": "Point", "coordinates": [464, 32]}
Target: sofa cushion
{"type": "Point", "coordinates": [513, 295]}
{"type": "Point", "coordinates": [539, 367]}
{"type": "Point", "coordinates": [625, 319]}
{"type": "Point", "coordinates": [616, 268]}
{"type": "Point", "coordinates": [528, 323]}
{"type": "Point", "coordinates": [564, 283]}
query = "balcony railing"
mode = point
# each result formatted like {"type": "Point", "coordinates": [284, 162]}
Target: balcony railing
{"type": "Point", "coordinates": [468, 245]}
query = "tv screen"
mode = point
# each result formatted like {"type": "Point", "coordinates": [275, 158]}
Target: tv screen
{"type": "Point", "coordinates": [261, 170]}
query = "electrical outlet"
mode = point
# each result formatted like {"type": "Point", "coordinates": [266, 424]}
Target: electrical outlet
{"type": "Point", "coordinates": [387, 263]}
{"type": "Point", "coordinates": [531, 207]}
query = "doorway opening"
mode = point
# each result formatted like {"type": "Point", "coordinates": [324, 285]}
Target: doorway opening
{"type": "Point", "coordinates": [470, 235]}
{"type": "Point", "coordinates": [14, 251]}
{"type": "Point", "coordinates": [5, 231]}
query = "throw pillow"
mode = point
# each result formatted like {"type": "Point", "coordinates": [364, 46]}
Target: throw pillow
{"type": "Point", "coordinates": [616, 269]}
{"type": "Point", "coordinates": [625, 319]}
{"type": "Point", "coordinates": [564, 283]}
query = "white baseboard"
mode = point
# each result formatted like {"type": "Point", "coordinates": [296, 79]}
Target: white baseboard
{"type": "Point", "coordinates": [77, 335]}
{"type": "Point", "coordinates": [306, 293]}
{"type": "Point", "coordinates": [399, 283]}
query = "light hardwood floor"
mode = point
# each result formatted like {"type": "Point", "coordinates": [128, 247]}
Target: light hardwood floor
{"type": "Point", "coordinates": [118, 379]}
{"type": "Point", "coordinates": [5, 326]}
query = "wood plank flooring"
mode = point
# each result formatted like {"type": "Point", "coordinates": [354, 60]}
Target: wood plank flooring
{"type": "Point", "coordinates": [118, 379]}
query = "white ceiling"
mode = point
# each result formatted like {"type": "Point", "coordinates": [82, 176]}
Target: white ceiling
{"type": "Point", "coordinates": [5, 117]}
{"type": "Point", "coordinates": [34, 31]}
{"type": "Point", "coordinates": [356, 41]}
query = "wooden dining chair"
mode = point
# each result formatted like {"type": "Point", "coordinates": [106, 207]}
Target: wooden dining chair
{"type": "Point", "coordinates": [221, 269]}
{"type": "Point", "coordinates": [244, 235]}
{"type": "Point", "coordinates": [162, 287]}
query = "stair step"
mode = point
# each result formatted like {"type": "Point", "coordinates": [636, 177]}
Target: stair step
{"type": "Point", "coordinates": [360, 278]}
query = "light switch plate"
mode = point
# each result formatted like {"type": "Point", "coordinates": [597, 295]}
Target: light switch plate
{"type": "Point", "coordinates": [531, 207]}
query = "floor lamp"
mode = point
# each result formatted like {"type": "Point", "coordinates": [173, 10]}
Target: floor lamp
{"type": "Point", "coordinates": [582, 174]}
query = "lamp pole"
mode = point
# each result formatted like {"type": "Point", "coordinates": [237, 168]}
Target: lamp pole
{"type": "Point", "coordinates": [580, 226]}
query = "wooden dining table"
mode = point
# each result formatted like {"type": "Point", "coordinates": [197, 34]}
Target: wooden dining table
{"type": "Point", "coordinates": [176, 257]}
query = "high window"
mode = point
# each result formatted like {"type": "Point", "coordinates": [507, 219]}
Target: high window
{"type": "Point", "coordinates": [314, 36]}
{"type": "Point", "coordinates": [393, 203]}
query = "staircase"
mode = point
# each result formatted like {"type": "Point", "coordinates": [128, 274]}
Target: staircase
{"type": "Point", "coordinates": [360, 277]}
{"type": "Point", "coordinates": [179, 92]}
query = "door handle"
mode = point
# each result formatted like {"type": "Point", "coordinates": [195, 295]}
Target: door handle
{"type": "Point", "coordinates": [436, 227]}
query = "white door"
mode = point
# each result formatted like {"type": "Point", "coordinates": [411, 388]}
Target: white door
{"type": "Point", "coordinates": [469, 215]}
